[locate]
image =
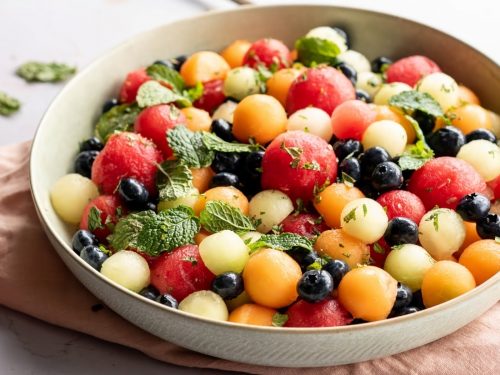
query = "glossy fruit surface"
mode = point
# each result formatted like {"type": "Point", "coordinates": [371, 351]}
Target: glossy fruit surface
{"type": "Point", "coordinates": [326, 313]}
{"type": "Point", "coordinates": [482, 259]}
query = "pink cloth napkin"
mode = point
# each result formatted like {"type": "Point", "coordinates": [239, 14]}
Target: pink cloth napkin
{"type": "Point", "coordinates": [33, 280]}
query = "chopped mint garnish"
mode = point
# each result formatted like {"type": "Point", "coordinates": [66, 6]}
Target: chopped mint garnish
{"type": "Point", "coordinates": [410, 101]}
{"type": "Point", "coordinates": [347, 180]}
{"type": "Point", "coordinates": [35, 71]}
{"type": "Point", "coordinates": [279, 320]}
{"type": "Point", "coordinates": [8, 104]}
{"type": "Point", "coordinates": [365, 209]}
{"type": "Point", "coordinates": [294, 152]}
{"type": "Point", "coordinates": [317, 264]}
{"type": "Point", "coordinates": [189, 147]}
{"type": "Point", "coordinates": [94, 219]}
{"type": "Point", "coordinates": [314, 166]}
{"type": "Point", "coordinates": [434, 217]}
{"type": "Point", "coordinates": [350, 216]}
{"type": "Point", "coordinates": [313, 51]}
{"type": "Point", "coordinates": [174, 180]}
{"type": "Point", "coordinates": [418, 154]}
{"type": "Point", "coordinates": [191, 260]}
{"type": "Point", "coordinates": [283, 242]}
{"type": "Point", "coordinates": [378, 249]}
{"type": "Point", "coordinates": [119, 118]}
{"type": "Point", "coordinates": [219, 215]}
{"type": "Point", "coordinates": [263, 74]}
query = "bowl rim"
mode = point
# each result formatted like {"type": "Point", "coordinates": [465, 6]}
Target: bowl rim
{"type": "Point", "coordinates": [487, 285]}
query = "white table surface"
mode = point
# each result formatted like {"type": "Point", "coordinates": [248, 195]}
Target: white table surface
{"type": "Point", "coordinates": [77, 32]}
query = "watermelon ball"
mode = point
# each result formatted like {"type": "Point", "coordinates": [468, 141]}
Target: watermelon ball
{"type": "Point", "coordinates": [268, 52]}
{"type": "Point", "coordinates": [307, 225]}
{"type": "Point", "coordinates": [322, 87]}
{"type": "Point", "coordinates": [326, 313]}
{"type": "Point", "coordinates": [131, 85]}
{"type": "Point", "coordinates": [351, 118]}
{"type": "Point", "coordinates": [212, 96]}
{"type": "Point", "coordinates": [402, 203]}
{"type": "Point", "coordinates": [297, 163]}
{"type": "Point", "coordinates": [109, 209]}
{"type": "Point", "coordinates": [154, 122]}
{"type": "Point", "coordinates": [444, 181]}
{"type": "Point", "coordinates": [411, 69]}
{"type": "Point", "coordinates": [126, 155]}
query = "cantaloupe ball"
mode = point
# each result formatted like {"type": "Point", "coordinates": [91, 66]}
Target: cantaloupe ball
{"type": "Point", "coordinates": [70, 194]}
{"type": "Point", "coordinates": [235, 52]}
{"type": "Point", "coordinates": [197, 119]}
{"type": "Point", "coordinates": [364, 219]}
{"type": "Point", "coordinates": [128, 269]}
{"type": "Point", "coordinates": [206, 304]}
{"type": "Point", "coordinates": [241, 82]}
{"type": "Point", "coordinates": [355, 59]}
{"type": "Point", "coordinates": [270, 207]}
{"type": "Point", "coordinates": [279, 84]}
{"type": "Point", "coordinates": [311, 120]}
{"type": "Point", "coordinates": [369, 82]}
{"type": "Point", "coordinates": [328, 33]}
{"type": "Point", "coordinates": [495, 123]}
{"type": "Point", "coordinates": [441, 232]}
{"type": "Point", "coordinates": [484, 156]}
{"type": "Point", "coordinates": [204, 66]}
{"type": "Point", "coordinates": [224, 251]}
{"type": "Point", "coordinates": [387, 134]}
{"type": "Point", "coordinates": [189, 200]}
{"type": "Point", "coordinates": [442, 88]}
{"type": "Point", "coordinates": [388, 90]}
{"type": "Point", "coordinates": [225, 111]}
{"type": "Point", "coordinates": [482, 259]}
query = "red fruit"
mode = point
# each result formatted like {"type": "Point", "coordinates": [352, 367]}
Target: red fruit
{"type": "Point", "coordinates": [313, 164]}
{"type": "Point", "coordinates": [444, 181]}
{"type": "Point", "coordinates": [411, 69]}
{"type": "Point", "coordinates": [351, 118]}
{"type": "Point", "coordinates": [126, 155]}
{"type": "Point", "coordinates": [322, 87]}
{"type": "Point", "coordinates": [377, 257]}
{"type": "Point", "coordinates": [111, 210]}
{"type": "Point", "coordinates": [154, 122]}
{"type": "Point", "coordinates": [181, 272]}
{"type": "Point", "coordinates": [326, 313]}
{"type": "Point", "coordinates": [307, 225]}
{"type": "Point", "coordinates": [402, 203]}
{"type": "Point", "coordinates": [212, 97]}
{"type": "Point", "coordinates": [495, 187]}
{"type": "Point", "coordinates": [267, 52]}
{"type": "Point", "coordinates": [133, 81]}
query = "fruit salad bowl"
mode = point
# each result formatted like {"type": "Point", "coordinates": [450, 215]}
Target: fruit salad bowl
{"type": "Point", "coordinates": [71, 119]}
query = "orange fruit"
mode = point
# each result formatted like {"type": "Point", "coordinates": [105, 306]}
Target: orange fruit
{"type": "Point", "coordinates": [482, 259]}
{"type": "Point", "coordinates": [234, 53]}
{"type": "Point", "coordinates": [339, 245]}
{"type": "Point", "coordinates": [253, 314]}
{"type": "Point", "coordinates": [204, 66]}
{"type": "Point", "coordinates": [279, 84]}
{"type": "Point", "coordinates": [197, 119]}
{"type": "Point", "coordinates": [228, 194]}
{"type": "Point", "coordinates": [470, 117]}
{"type": "Point", "coordinates": [202, 177]}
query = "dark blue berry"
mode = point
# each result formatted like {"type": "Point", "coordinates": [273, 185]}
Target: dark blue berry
{"type": "Point", "coordinates": [488, 227]}
{"type": "Point", "coordinates": [380, 64]}
{"type": "Point", "coordinates": [93, 256]}
{"type": "Point", "coordinates": [337, 269]}
{"type": "Point", "coordinates": [425, 121]}
{"type": "Point", "coordinates": [178, 61]}
{"type": "Point", "coordinates": [346, 147]}
{"type": "Point", "coordinates": [226, 179]}
{"type": "Point", "coordinates": [485, 134]}
{"type": "Point", "coordinates": [387, 176]}
{"type": "Point", "coordinates": [167, 300]}
{"type": "Point", "coordinates": [150, 292]}
{"type": "Point", "coordinates": [401, 230]}
{"type": "Point", "coordinates": [404, 297]}
{"type": "Point", "coordinates": [473, 207]}
{"type": "Point", "coordinates": [83, 162]}
{"type": "Point", "coordinates": [223, 129]}
{"type": "Point", "coordinates": [404, 311]}
{"type": "Point", "coordinates": [228, 285]}
{"type": "Point", "coordinates": [83, 238]}
{"type": "Point", "coordinates": [363, 96]}
{"type": "Point", "coordinates": [303, 257]}
{"type": "Point", "coordinates": [91, 144]}
{"type": "Point", "coordinates": [446, 141]}
{"type": "Point", "coordinates": [252, 163]}
{"type": "Point", "coordinates": [109, 104]}
{"type": "Point", "coordinates": [226, 162]}
{"type": "Point", "coordinates": [315, 285]}
{"type": "Point", "coordinates": [417, 300]}
{"type": "Point", "coordinates": [371, 158]}
{"type": "Point", "coordinates": [348, 71]}
{"type": "Point", "coordinates": [133, 194]}
{"type": "Point", "coordinates": [166, 63]}
{"type": "Point", "coordinates": [351, 167]}
{"type": "Point", "coordinates": [357, 321]}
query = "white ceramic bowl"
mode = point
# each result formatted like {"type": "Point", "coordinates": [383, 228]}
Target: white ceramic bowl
{"type": "Point", "coordinates": [73, 113]}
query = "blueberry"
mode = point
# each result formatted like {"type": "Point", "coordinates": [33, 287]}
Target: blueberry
{"type": "Point", "coordinates": [226, 162]}
{"type": "Point", "coordinates": [303, 257]}
{"type": "Point", "coordinates": [166, 63]}
{"type": "Point", "coordinates": [401, 230]}
{"type": "Point", "coordinates": [446, 141]}
{"type": "Point", "coordinates": [417, 300]}
{"type": "Point", "coordinates": [91, 144]}
{"type": "Point", "coordinates": [223, 129]}
{"type": "Point", "coordinates": [315, 285]}
{"type": "Point", "coordinates": [337, 269]}
{"type": "Point", "coordinates": [252, 164]}
{"type": "Point", "coordinates": [150, 292]}
{"type": "Point", "coordinates": [133, 194]}
{"type": "Point", "coordinates": [226, 179]}
{"type": "Point", "coordinates": [178, 61]}
{"type": "Point", "coordinates": [83, 162]}
{"type": "Point", "coordinates": [357, 321]}
{"type": "Point", "coordinates": [346, 147]}
{"type": "Point", "coordinates": [350, 167]}
{"type": "Point", "coordinates": [380, 64]}
{"type": "Point", "coordinates": [228, 285]}
{"type": "Point", "coordinates": [167, 300]}
{"type": "Point", "coordinates": [473, 207]}
{"type": "Point", "coordinates": [387, 176]}
{"type": "Point", "coordinates": [83, 238]}
{"type": "Point", "coordinates": [480, 134]}
{"type": "Point", "coordinates": [348, 71]}
{"type": "Point", "coordinates": [371, 158]}
{"type": "Point", "coordinates": [367, 189]}
{"type": "Point", "coordinates": [363, 96]}
{"type": "Point", "coordinates": [488, 227]}
{"type": "Point", "coordinates": [93, 256]}
{"type": "Point", "coordinates": [109, 104]}
{"type": "Point", "coordinates": [403, 297]}
{"type": "Point", "coordinates": [404, 311]}
{"type": "Point", "coordinates": [344, 35]}
{"type": "Point", "coordinates": [425, 121]}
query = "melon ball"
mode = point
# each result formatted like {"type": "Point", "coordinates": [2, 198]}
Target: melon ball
{"type": "Point", "coordinates": [328, 33]}
{"type": "Point", "coordinates": [311, 120]}
{"type": "Point", "coordinates": [206, 304]}
{"type": "Point", "coordinates": [369, 82]}
{"type": "Point", "coordinates": [355, 59]}
{"type": "Point", "coordinates": [387, 134]}
{"type": "Point", "coordinates": [241, 82]}
{"type": "Point", "coordinates": [484, 156]}
{"type": "Point", "coordinates": [270, 207]}
{"type": "Point", "coordinates": [225, 111]}
{"type": "Point", "coordinates": [189, 200]}
{"type": "Point", "coordinates": [364, 219]}
{"type": "Point", "coordinates": [128, 269]}
{"type": "Point", "coordinates": [388, 90]}
{"type": "Point", "coordinates": [224, 251]}
{"type": "Point", "coordinates": [251, 237]}
{"type": "Point", "coordinates": [442, 88]}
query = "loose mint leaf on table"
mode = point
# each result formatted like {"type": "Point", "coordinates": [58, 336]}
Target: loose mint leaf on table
{"type": "Point", "coordinates": [173, 179]}
{"type": "Point", "coordinates": [410, 101]}
{"type": "Point", "coordinates": [8, 104]}
{"type": "Point", "coordinates": [118, 118]}
{"type": "Point", "coordinates": [34, 71]}
{"type": "Point", "coordinates": [162, 73]}
{"type": "Point", "coordinates": [153, 93]}
{"type": "Point", "coordinates": [154, 233]}
{"type": "Point", "coordinates": [214, 143]}
{"type": "Point", "coordinates": [283, 242]}
{"type": "Point", "coordinates": [312, 51]}
{"type": "Point", "coordinates": [418, 154]}
{"type": "Point", "coordinates": [219, 215]}
{"type": "Point", "coordinates": [189, 147]}
{"type": "Point", "coordinates": [279, 320]}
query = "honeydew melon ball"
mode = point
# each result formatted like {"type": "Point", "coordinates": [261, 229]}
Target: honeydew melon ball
{"type": "Point", "coordinates": [388, 90]}
{"type": "Point", "coordinates": [225, 111]}
{"type": "Point", "coordinates": [206, 304]}
{"type": "Point", "coordinates": [270, 207]}
{"type": "Point", "coordinates": [328, 33]}
{"type": "Point", "coordinates": [311, 120]}
{"type": "Point", "coordinates": [355, 59]}
{"type": "Point", "coordinates": [387, 134]}
{"type": "Point", "coordinates": [369, 82]}
{"type": "Point", "coordinates": [484, 156]}
{"type": "Point", "coordinates": [128, 269]}
{"type": "Point", "coordinates": [189, 200]}
{"type": "Point", "coordinates": [224, 251]}
{"type": "Point", "coordinates": [364, 219]}
{"type": "Point", "coordinates": [442, 88]}
{"type": "Point", "coordinates": [241, 82]}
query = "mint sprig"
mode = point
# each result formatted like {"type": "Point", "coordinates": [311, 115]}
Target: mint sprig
{"type": "Point", "coordinates": [173, 179]}
{"type": "Point", "coordinates": [418, 154]}
{"type": "Point", "coordinates": [152, 93]}
{"type": "Point", "coordinates": [313, 51]}
{"type": "Point", "coordinates": [410, 101]}
{"type": "Point", "coordinates": [189, 147]}
{"type": "Point", "coordinates": [218, 215]}
{"type": "Point", "coordinates": [94, 219]}
{"type": "Point", "coordinates": [154, 233]}
{"type": "Point", "coordinates": [214, 143]}
{"type": "Point", "coordinates": [279, 320]}
{"type": "Point", "coordinates": [171, 77]}
{"type": "Point", "coordinates": [282, 241]}
{"type": "Point", "coordinates": [119, 118]}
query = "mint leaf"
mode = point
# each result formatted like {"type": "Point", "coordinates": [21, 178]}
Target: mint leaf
{"type": "Point", "coordinates": [189, 147]}
{"type": "Point", "coordinates": [35, 71]}
{"type": "Point", "coordinates": [351, 215]}
{"type": "Point", "coordinates": [154, 233]}
{"type": "Point", "coordinates": [312, 50]}
{"type": "Point", "coordinates": [279, 320]}
{"type": "Point", "coordinates": [153, 93]}
{"type": "Point", "coordinates": [283, 242]}
{"type": "Point", "coordinates": [173, 179]}
{"type": "Point", "coordinates": [410, 101]}
{"type": "Point", "coordinates": [118, 118]}
{"type": "Point", "coordinates": [418, 154]}
{"type": "Point", "coordinates": [94, 219]}
{"type": "Point", "coordinates": [378, 249]}
{"type": "Point", "coordinates": [317, 264]}
{"type": "Point", "coordinates": [214, 143]}
{"type": "Point", "coordinates": [162, 73]}
{"type": "Point", "coordinates": [8, 104]}
{"type": "Point", "coordinates": [219, 215]}
{"type": "Point", "coordinates": [194, 93]}
{"type": "Point", "coordinates": [263, 74]}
